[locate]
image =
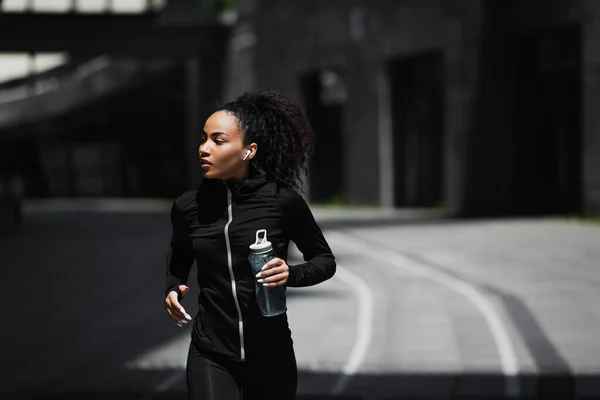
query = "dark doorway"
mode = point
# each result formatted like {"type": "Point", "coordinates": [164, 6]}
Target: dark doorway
{"type": "Point", "coordinates": [416, 89]}
{"type": "Point", "coordinates": [324, 96]}
{"type": "Point", "coordinates": [548, 145]}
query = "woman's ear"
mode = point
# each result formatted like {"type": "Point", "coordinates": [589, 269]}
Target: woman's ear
{"type": "Point", "coordinates": [250, 152]}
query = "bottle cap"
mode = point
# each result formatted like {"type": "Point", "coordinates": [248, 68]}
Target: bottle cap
{"type": "Point", "coordinates": [261, 245]}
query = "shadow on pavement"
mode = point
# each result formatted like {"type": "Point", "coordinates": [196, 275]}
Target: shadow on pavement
{"type": "Point", "coordinates": [317, 386]}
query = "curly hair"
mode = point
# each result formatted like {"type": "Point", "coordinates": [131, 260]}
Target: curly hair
{"type": "Point", "coordinates": [278, 126]}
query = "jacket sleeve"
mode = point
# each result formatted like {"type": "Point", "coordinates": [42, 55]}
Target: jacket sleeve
{"type": "Point", "coordinates": [180, 257]}
{"type": "Point", "coordinates": [301, 227]}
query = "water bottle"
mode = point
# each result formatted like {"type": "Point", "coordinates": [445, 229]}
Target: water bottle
{"type": "Point", "coordinates": [271, 300]}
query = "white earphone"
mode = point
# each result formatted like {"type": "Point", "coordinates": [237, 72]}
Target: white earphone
{"type": "Point", "coordinates": [247, 154]}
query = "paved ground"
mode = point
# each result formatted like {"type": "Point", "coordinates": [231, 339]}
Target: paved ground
{"type": "Point", "coordinates": [419, 308]}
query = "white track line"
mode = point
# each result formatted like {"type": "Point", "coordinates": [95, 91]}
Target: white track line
{"type": "Point", "coordinates": [364, 327]}
{"type": "Point", "coordinates": [506, 352]}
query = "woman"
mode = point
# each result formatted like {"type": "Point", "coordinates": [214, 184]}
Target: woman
{"type": "Point", "coordinates": [252, 155]}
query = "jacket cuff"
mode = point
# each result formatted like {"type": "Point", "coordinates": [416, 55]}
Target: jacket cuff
{"type": "Point", "coordinates": [174, 288]}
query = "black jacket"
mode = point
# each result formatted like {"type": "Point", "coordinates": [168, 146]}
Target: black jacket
{"type": "Point", "coordinates": [215, 225]}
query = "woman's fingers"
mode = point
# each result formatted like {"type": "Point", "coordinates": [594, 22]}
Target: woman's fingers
{"type": "Point", "coordinates": [179, 312]}
{"type": "Point", "coordinates": [184, 290]}
{"type": "Point", "coordinates": [176, 320]}
{"type": "Point", "coordinates": [276, 280]}
{"type": "Point", "coordinates": [173, 300]}
{"type": "Point", "coordinates": [273, 271]}
{"type": "Point", "coordinates": [175, 307]}
{"type": "Point", "coordinates": [272, 263]}
{"type": "Point", "coordinates": [278, 277]}
{"type": "Point", "coordinates": [275, 266]}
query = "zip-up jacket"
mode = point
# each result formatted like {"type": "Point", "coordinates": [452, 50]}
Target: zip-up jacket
{"type": "Point", "coordinates": [214, 225]}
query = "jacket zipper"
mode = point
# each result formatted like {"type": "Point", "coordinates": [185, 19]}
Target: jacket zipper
{"type": "Point", "coordinates": [232, 276]}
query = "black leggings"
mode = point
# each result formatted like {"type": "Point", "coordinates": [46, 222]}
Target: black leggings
{"type": "Point", "coordinates": [262, 377]}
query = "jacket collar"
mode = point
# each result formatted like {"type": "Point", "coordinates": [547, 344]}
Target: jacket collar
{"type": "Point", "coordinates": [241, 188]}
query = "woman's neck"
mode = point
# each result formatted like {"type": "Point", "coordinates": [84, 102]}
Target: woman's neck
{"type": "Point", "coordinates": [237, 177]}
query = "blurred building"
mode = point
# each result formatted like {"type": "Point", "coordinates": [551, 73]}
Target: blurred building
{"type": "Point", "coordinates": [482, 107]}
{"type": "Point", "coordinates": [97, 96]}
{"type": "Point", "coordinates": [485, 107]}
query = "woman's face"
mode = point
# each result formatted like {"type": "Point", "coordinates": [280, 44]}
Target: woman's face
{"type": "Point", "coordinates": [222, 148]}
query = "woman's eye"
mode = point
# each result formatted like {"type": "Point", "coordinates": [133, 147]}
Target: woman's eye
{"type": "Point", "coordinates": [219, 141]}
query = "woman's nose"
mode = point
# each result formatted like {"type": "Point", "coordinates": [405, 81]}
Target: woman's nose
{"type": "Point", "coordinates": [202, 149]}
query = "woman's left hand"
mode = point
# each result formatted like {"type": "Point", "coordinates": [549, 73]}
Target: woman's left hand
{"type": "Point", "coordinates": [274, 273]}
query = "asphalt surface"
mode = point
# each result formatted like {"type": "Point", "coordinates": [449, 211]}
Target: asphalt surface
{"type": "Point", "coordinates": [419, 309]}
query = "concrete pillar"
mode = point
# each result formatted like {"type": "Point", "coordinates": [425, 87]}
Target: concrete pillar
{"type": "Point", "coordinates": [362, 130]}
{"type": "Point", "coordinates": [240, 64]}
{"type": "Point", "coordinates": [366, 127]}
{"type": "Point", "coordinates": [462, 56]}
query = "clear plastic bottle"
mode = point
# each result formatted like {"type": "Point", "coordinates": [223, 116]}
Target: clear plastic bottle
{"type": "Point", "coordinates": [271, 300]}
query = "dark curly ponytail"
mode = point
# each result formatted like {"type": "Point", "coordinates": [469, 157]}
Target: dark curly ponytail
{"type": "Point", "coordinates": [281, 131]}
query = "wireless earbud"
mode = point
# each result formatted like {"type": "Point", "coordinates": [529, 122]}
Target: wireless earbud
{"type": "Point", "coordinates": [247, 154]}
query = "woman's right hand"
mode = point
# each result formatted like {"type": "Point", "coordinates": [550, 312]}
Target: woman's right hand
{"type": "Point", "coordinates": [175, 309]}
